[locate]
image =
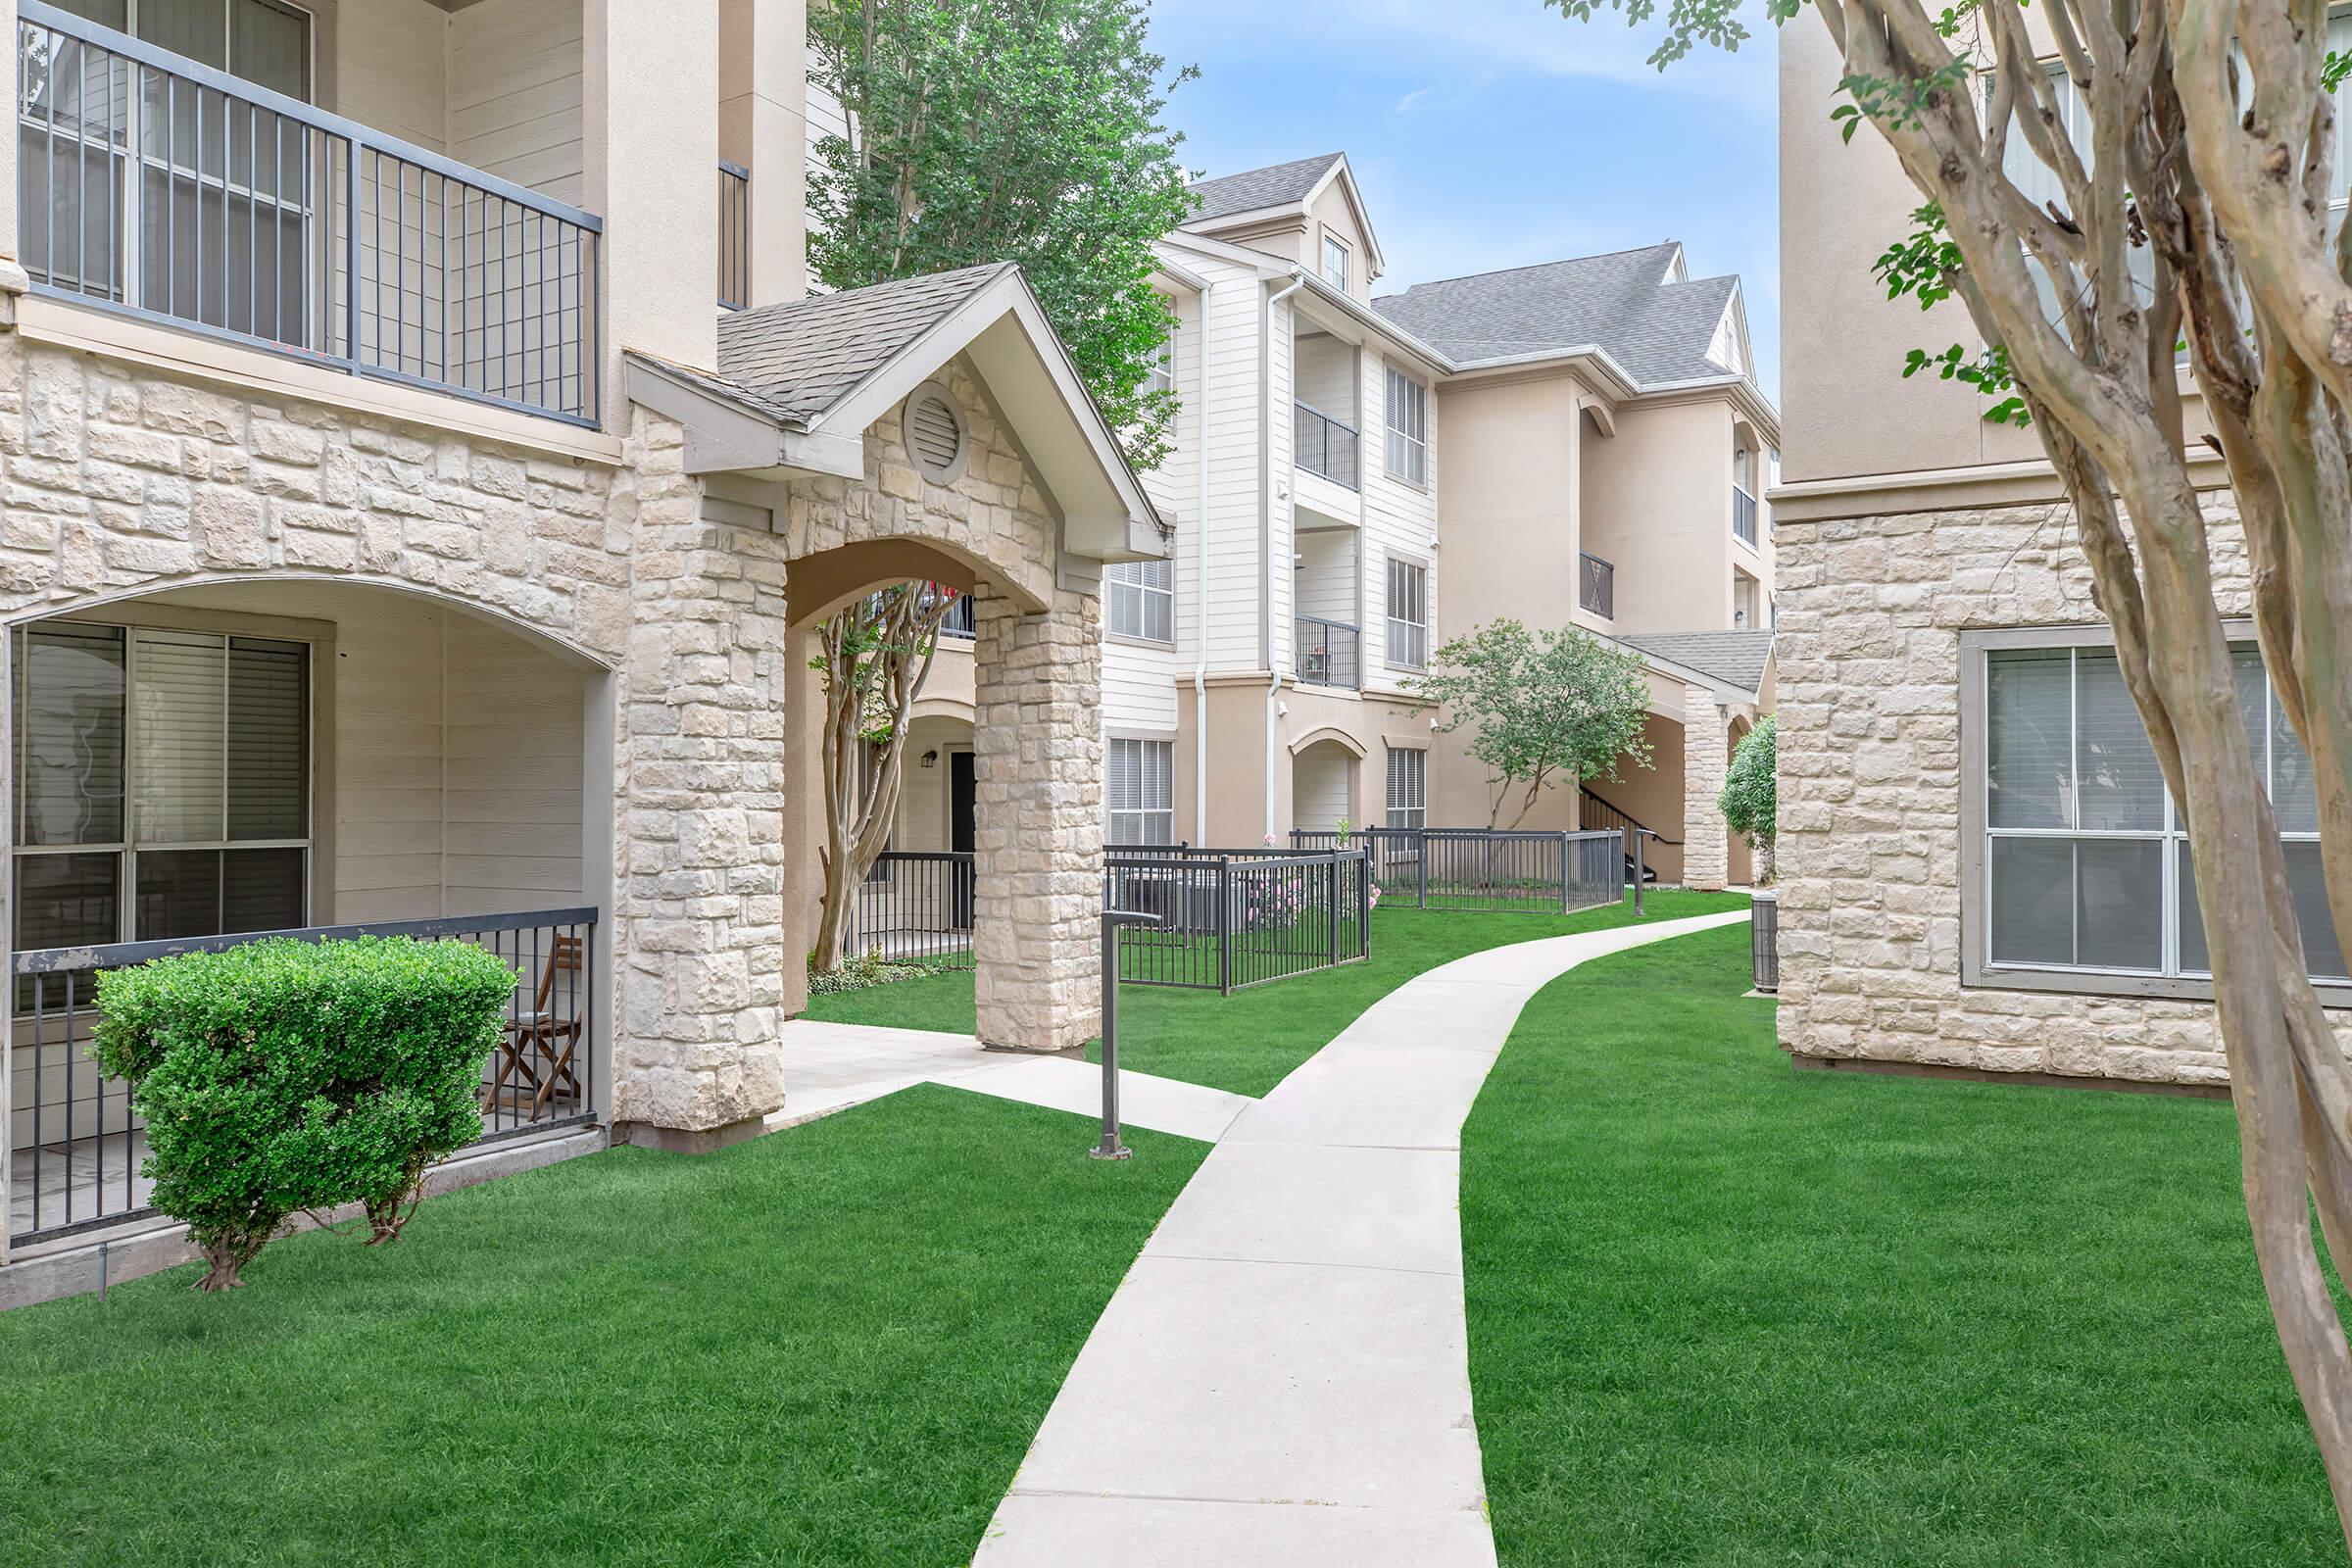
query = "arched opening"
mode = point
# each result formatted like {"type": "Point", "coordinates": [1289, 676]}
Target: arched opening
{"type": "Point", "coordinates": [1323, 786]}
{"type": "Point", "coordinates": [314, 755]}
{"type": "Point", "coordinates": [1739, 859]}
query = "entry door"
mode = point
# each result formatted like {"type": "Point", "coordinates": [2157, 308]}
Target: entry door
{"type": "Point", "coordinates": [962, 792]}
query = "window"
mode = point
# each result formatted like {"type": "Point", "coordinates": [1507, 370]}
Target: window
{"type": "Point", "coordinates": [1409, 614]}
{"type": "Point", "coordinates": [163, 784]}
{"type": "Point", "coordinates": [1140, 803]}
{"type": "Point", "coordinates": [1408, 787]}
{"type": "Point", "coordinates": [1142, 598]}
{"type": "Point", "coordinates": [1744, 495]}
{"type": "Point", "coordinates": [258, 40]}
{"type": "Point", "coordinates": [1162, 377]}
{"type": "Point", "coordinates": [2082, 876]}
{"type": "Point", "coordinates": [1335, 261]}
{"type": "Point", "coordinates": [1408, 427]}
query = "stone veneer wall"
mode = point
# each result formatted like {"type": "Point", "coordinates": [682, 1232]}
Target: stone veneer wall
{"type": "Point", "coordinates": [1707, 758]}
{"type": "Point", "coordinates": [119, 482]}
{"type": "Point", "coordinates": [1871, 612]}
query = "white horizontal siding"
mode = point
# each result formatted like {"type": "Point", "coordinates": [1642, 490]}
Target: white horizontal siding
{"type": "Point", "coordinates": [1139, 689]}
{"type": "Point", "coordinates": [515, 93]}
{"type": "Point", "coordinates": [1399, 519]}
{"type": "Point", "coordinates": [391, 68]}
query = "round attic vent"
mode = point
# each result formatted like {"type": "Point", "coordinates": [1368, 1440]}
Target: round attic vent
{"type": "Point", "coordinates": [935, 435]}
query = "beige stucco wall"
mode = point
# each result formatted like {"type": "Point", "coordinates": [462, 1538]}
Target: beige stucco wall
{"type": "Point", "coordinates": [1657, 504]}
{"type": "Point", "coordinates": [1869, 845]}
{"type": "Point", "coordinates": [1510, 450]}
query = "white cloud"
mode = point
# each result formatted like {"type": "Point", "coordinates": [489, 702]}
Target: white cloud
{"type": "Point", "coordinates": [1413, 100]}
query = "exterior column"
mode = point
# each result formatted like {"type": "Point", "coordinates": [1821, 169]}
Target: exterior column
{"type": "Point", "coordinates": [1038, 825]}
{"type": "Point", "coordinates": [804, 821]}
{"type": "Point", "coordinates": [1706, 759]}
{"type": "Point", "coordinates": [764, 125]}
{"type": "Point", "coordinates": [699, 889]}
{"type": "Point", "coordinates": [650, 114]}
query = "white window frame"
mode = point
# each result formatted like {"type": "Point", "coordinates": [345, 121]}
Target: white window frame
{"type": "Point", "coordinates": [132, 844]}
{"type": "Point", "coordinates": [1406, 641]}
{"type": "Point", "coordinates": [1338, 261]}
{"type": "Point", "coordinates": [1413, 811]}
{"type": "Point", "coordinates": [1131, 590]}
{"type": "Point", "coordinates": [1405, 448]}
{"type": "Point", "coordinates": [1146, 823]}
{"type": "Point", "coordinates": [2170, 980]}
{"type": "Point", "coordinates": [1162, 375]}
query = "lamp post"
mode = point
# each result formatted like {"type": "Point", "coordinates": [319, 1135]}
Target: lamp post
{"type": "Point", "coordinates": [1110, 1148]}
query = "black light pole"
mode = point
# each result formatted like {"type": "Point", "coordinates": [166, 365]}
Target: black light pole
{"type": "Point", "coordinates": [1640, 834]}
{"type": "Point", "coordinates": [1110, 1148]}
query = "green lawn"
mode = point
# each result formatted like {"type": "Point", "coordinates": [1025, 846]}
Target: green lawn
{"type": "Point", "coordinates": [1724, 1312]}
{"type": "Point", "coordinates": [830, 1346]}
{"type": "Point", "coordinates": [1249, 1041]}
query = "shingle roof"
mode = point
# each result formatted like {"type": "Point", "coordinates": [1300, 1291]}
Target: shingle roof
{"type": "Point", "coordinates": [1260, 187]}
{"type": "Point", "coordinates": [1735, 657]}
{"type": "Point", "coordinates": [794, 362]}
{"type": "Point", "coordinates": [1621, 302]}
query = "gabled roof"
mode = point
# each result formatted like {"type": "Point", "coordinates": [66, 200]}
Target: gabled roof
{"type": "Point", "coordinates": [1735, 657]}
{"type": "Point", "coordinates": [1275, 186]}
{"type": "Point", "coordinates": [1282, 189]}
{"type": "Point", "coordinates": [1633, 305]}
{"type": "Point", "coordinates": [797, 385]}
{"type": "Point", "coordinates": [800, 360]}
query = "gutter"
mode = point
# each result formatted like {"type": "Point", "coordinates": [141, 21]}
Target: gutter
{"type": "Point", "coordinates": [1201, 588]}
{"type": "Point", "coordinates": [1265, 515]}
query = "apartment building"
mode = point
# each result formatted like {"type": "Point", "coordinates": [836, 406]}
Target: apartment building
{"type": "Point", "coordinates": [1355, 477]}
{"type": "Point", "coordinates": [1981, 868]}
{"type": "Point", "coordinates": [398, 532]}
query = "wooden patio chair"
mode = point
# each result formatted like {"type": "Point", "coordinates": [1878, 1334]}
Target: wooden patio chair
{"type": "Point", "coordinates": [536, 1049]}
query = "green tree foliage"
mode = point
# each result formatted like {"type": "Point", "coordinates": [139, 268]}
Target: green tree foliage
{"type": "Point", "coordinates": [284, 1076]}
{"type": "Point", "coordinates": [1750, 798]}
{"type": "Point", "coordinates": [1025, 130]}
{"type": "Point", "coordinates": [1542, 707]}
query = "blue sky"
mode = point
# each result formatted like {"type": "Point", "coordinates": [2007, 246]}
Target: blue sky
{"type": "Point", "coordinates": [1491, 134]}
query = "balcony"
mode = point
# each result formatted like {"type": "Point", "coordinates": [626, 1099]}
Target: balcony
{"type": "Point", "coordinates": [1743, 516]}
{"type": "Point", "coordinates": [167, 190]}
{"type": "Point", "coordinates": [1597, 586]}
{"type": "Point", "coordinates": [1323, 445]}
{"type": "Point", "coordinates": [1325, 652]}
{"type": "Point", "coordinates": [734, 236]}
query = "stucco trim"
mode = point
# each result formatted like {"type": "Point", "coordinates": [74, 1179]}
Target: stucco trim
{"type": "Point", "coordinates": [1331, 732]}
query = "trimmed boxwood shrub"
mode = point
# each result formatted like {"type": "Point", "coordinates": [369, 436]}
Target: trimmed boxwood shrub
{"type": "Point", "coordinates": [284, 1075]}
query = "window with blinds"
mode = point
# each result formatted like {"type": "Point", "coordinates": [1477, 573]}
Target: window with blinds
{"type": "Point", "coordinates": [1409, 614]}
{"type": "Point", "coordinates": [163, 784]}
{"type": "Point", "coordinates": [2086, 863]}
{"type": "Point", "coordinates": [1408, 403]}
{"type": "Point", "coordinates": [1140, 600]}
{"type": "Point", "coordinates": [1408, 787]}
{"type": "Point", "coordinates": [1138, 797]}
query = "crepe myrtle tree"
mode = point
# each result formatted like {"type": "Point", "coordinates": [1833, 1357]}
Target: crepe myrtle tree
{"type": "Point", "coordinates": [872, 659]}
{"type": "Point", "coordinates": [1543, 707]}
{"type": "Point", "coordinates": [2192, 213]}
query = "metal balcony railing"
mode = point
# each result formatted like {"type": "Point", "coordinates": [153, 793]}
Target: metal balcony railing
{"type": "Point", "coordinates": [1326, 652]}
{"type": "Point", "coordinates": [151, 185]}
{"type": "Point", "coordinates": [1743, 515]}
{"type": "Point", "coordinates": [1323, 445]}
{"type": "Point", "coordinates": [734, 236]}
{"type": "Point", "coordinates": [1596, 585]}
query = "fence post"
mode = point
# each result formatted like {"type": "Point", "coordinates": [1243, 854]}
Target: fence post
{"type": "Point", "coordinates": [1421, 863]}
{"type": "Point", "coordinates": [1636, 834]}
{"type": "Point", "coordinates": [1334, 868]}
{"type": "Point", "coordinates": [1563, 871]}
{"type": "Point", "coordinates": [1225, 924]}
{"type": "Point", "coordinates": [1364, 904]}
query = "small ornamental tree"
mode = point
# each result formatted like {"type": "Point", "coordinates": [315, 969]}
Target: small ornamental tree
{"type": "Point", "coordinates": [284, 1076]}
{"type": "Point", "coordinates": [1750, 798]}
{"type": "Point", "coordinates": [1542, 707]}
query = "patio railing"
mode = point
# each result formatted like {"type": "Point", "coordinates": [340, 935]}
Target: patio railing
{"type": "Point", "coordinates": [1487, 869]}
{"type": "Point", "coordinates": [1324, 445]}
{"type": "Point", "coordinates": [915, 907]}
{"type": "Point", "coordinates": [1326, 652]}
{"type": "Point", "coordinates": [75, 1144]}
{"type": "Point", "coordinates": [153, 185]}
{"type": "Point", "coordinates": [1230, 918]}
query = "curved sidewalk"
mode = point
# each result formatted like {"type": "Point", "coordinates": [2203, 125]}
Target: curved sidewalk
{"type": "Point", "coordinates": [1283, 1377]}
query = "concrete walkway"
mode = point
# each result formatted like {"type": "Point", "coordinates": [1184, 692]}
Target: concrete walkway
{"type": "Point", "coordinates": [1283, 1378]}
{"type": "Point", "coordinates": [832, 1066]}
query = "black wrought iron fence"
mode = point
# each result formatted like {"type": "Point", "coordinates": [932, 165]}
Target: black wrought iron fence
{"type": "Point", "coordinates": [1486, 869]}
{"type": "Point", "coordinates": [1230, 918]}
{"type": "Point", "coordinates": [915, 907]}
{"type": "Point", "coordinates": [157, 186]}
{"type": "Point", "coordinates": [75, 1142]}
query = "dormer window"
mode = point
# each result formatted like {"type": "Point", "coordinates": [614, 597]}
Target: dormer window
{"type": "Point", "coordinates": [1335, 261]}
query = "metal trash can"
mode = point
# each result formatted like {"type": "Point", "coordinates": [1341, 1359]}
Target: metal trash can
{"type": "Point", "coordinates": [1764, 925]}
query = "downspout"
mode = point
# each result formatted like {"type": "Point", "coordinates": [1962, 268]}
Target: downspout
{"type": "Point", "coordinates": [1201, 589]}
{"type": "Point", "coordinates": [1265, 515]}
